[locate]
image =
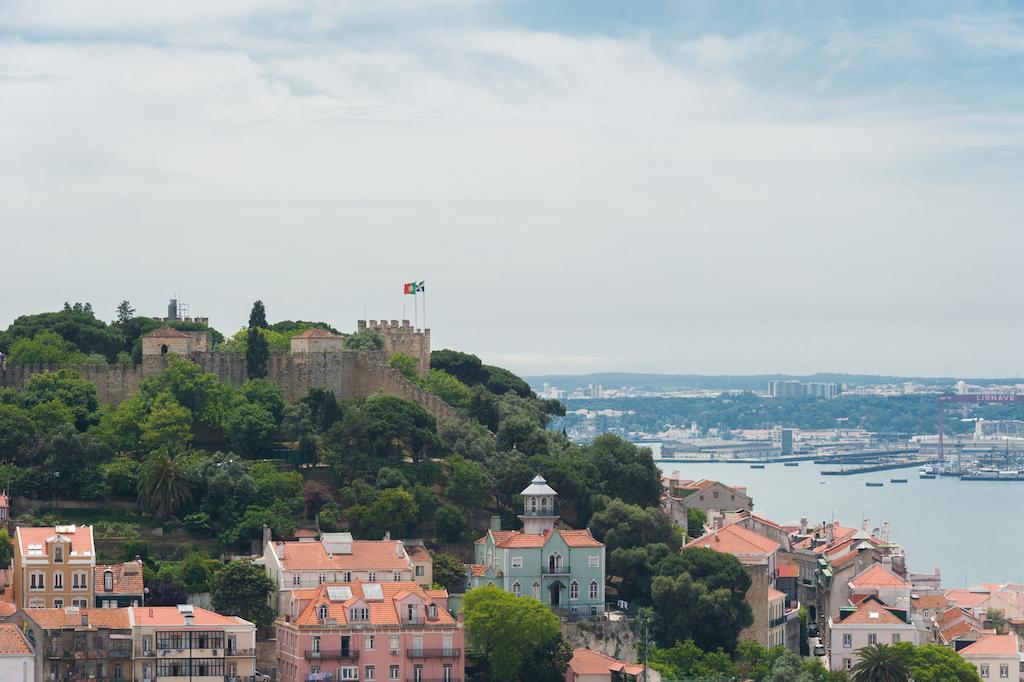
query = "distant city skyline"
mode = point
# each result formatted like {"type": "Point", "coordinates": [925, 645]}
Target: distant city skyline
{"type": "Point", "coordinates": [679, 187]}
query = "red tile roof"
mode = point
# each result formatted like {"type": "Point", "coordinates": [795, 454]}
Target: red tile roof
{"type": "Point", "coordinates": [934, 602]}
{"type": "Point", "coordinates": [774, 594]}
{"type": "Point", "coordinates": [872, 613]}
{"type": "Point", "coordinates": [956, 630]}
{"type": "Point", "coordinates": [50, 619]}
{"type": "Point", "coordinates": [478, 570]}
{"type": "Point", "coordinates": [579, 538]}
{"type": "Point", "coordinates": [382, 612]}
{"type": "Point", "coordinates": [966, 598]}
{"type": "Point", "coordinates": [12, 642]}
{"type": "Point", "coordinates": [80, 538]}
{"type": "Point", "coordinates": [166, 333]}
{"type": "Point", "coordinates": [171, 615]}
{"type": "Point", "coordinates": [367, 555]}
{"type": "Point", "coordinates": [733, 539]}
{"type": "Point", "coordinates": [587, 662]}
{"type": "Point", "coordinates": [788, 571]}
{"type": "Point", "coordinates": [127, 578]}
{"type": "Point", "coordinates": [992, 645]}
{"type": "Point", "coordinates": [877, 575]}
{"type": "Point", "coordinates": [572, 538]}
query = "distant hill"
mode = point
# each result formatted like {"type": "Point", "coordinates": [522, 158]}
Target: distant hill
{"type": "Point", "coordinates": [739, 382]}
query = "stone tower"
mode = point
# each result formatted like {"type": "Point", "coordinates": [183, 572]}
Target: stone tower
{"type": "Point", "coordinates": [402, 338]}
{"type": "Point", "coordinates": [539, 513]}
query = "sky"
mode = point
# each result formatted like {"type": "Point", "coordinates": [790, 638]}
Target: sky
{"type": "Point", "coordinates": [584, 185]}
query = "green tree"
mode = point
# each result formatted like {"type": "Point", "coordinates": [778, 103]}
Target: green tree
{"type": "Point", "coordinates": [449, 572]}
{"type": "Point", "coordinates": [695, 520]}
{"type": "Point", "coordinates": [196, 572]}
{"type": "Point", "coordinates": [450, 522]}
{"type": "Point", "coordinates": [257, 352]}
{"type": "Point", "coordinates": [805, 647]}
{"type": "Point", "coordinates": [125, 312]}
{"type": "Point", "coordinates": [258, 316]}
{"type": "Point", "coordinates": [626, 525]}
{"type": "Point", "coordinates": [75, 324]}
{"type": "Point", "coordinates": [168, 425]}
{"type": "Point", "coordinates": [996, 619]}
{"type": "Point", "coordinates": [165, 485]}
{"type": "Point", "coordinates": [936, 663]}
{"type": "Point", "coordinates": [45, 348]}
{"type": "Point", "coordinates": [121, 476]}
{"type": "Point", "coordinates": [685, 660]}
{"type": "Point", "coordinates": [508, 630]}
{"type": "Point", "coordinates": [393, 510]}
{"type": "Point", "coordinates": [243, 589]}
{"type": "Point", "coordinates": [6, 549]}
{"type": "Point", "coordinates": [548, 663]}
{"type": "Point", "coordinates": [628, 472]}
{"type": "Point", "coordinates": [72, 459]}
{"type": "Point", "coordinates": [16, 429]}
{"type": "Point", "coordinates": [881, 663]}
{"type": "Point", "coordinates": [248, 427]}
{"type": "Point", "coordinates": [467, 483]}
{"type": "Point", "coordinates": [448, 388]}
{"type": "Point", "coordinates": [465, 367]}
{"type": "Point", "coordinates": [702, 598]}
{"type": "Point", "coordinates": [365, 339]}
{"type": "Point", "coordinates": [51, 415]}
{"type": "Point", "coordinates": [484, 408]}
{"type": "Point", "coordinates": [266, 394]}
{"type": "Point", "coordinates": [66, 386]}
{"type": "Point", "coordinates": [201, 393]}
{"type": "Point", "coordinates": [408, 365]}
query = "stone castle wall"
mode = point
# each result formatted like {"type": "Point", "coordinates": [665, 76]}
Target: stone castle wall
{"type": "Point", "coordinates": [348, 374]}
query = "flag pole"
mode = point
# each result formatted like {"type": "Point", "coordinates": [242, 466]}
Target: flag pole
{"type": "Point", "coordinates": [415, 312]}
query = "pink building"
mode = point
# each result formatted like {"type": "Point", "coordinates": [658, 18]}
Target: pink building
{"type": "Point", "coordinates": [369, 631]}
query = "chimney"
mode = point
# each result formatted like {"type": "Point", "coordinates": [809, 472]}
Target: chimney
{"type": "Point", "coordinates": [400, 549]}
{"type": "Point", "coordinates": [190, 620]}
{"type": "Point", "coordinates": [803, 525]}
{"type": "Point", "coordinates": [266, 534]}
{"type": "Point", "coordinates": [830, 534]}
{"type": "Point", "coordinates": [495, 522]}
{"type": "Point", "coordinates": [280, 550]}
{"type": "Point", "coordinates": [865, 525]}
{"type": "Point", "coordinates": [387, 535]}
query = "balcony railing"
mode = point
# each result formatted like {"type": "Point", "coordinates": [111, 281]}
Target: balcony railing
{"type": "Point", "coordinates": [119, 653]}
{"type": "Point", "coordinates": [433, 653]}
{"type": "Point", "coordinates": [240, 652]}
{"type": "Point", "coordinates": [776, 622]}
{"type": "Point", "coordinates": [332, 654]}
{"type": "Point", "coordinates": [561, 569]}
{"type": "Point", "coordinates": [415, 620]}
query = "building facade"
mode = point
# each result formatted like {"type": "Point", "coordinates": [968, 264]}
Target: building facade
{"type": "Point", "coordinates": [337, 558]}
{"type": "Point", "coordinates": [869, 623]}
{"type": "Point", "coordinates": [369, 631]}
{"type": "Point", "coordinates": [54, 566]}
{"type": "Point", "coordinates": [17, 659]}
{"type": "Point", "coordinates": [119, 585]}
{"type": "Point", "coordinates": [996, 657]}
{"type": "Point", "coordinates": [564, 569]}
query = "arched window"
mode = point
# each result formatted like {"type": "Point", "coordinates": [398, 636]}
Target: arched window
{"type": "Point", "coordinates": [432, 611]}
{"type": "Point", "coordinates": [322, 612]}
{"type": "Point", "coordinates": [574, 590]}
{"type": "Point", "coordinates": [517, 589]}
{"type": "Point", "coordinates": [555, 562]}
{"type": "Point", "coordinates": [108, 580]}
{"type": "Point", "coordinates": [593, 589]}
{"type": "Point", "coordinates": [536, 591]}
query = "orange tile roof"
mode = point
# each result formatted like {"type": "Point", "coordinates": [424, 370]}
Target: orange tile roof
{"type": "Point", "coordinates": [50, 619]}
{"type": "Point", "coordinates": [733, 539]}
{"type": "Point", "coordinates": [770, 524]}
{"type": "Point", "coordinates": [166, 333]}
{"type": "Point", "coordinates": [170, 615]}
{"type": "Point", "coordinates": [950, 615]}
{"type": "Point", "coordinates": [956, 630]}
{"type": "Point", "coordinates": [367, 555]}
{"type": "Point", "coordinates": [587, 662]}
{"type": "Point", "coordinates": [774, 594]}
{"type": "Point", "coordinates": [871, 613]}
{"type": "Point", "coordinates": [382, 612]}
{"type": "Point", "coordinates": [579, 538]}
{"type": "Point", "coordinates": [498, 535]}
{"type": "Point", "coordinates": [992, 645]}
{"type": "Point", "coordinates": [966, 598]}
{"type": "Point", "coordinates": [438, 595]}
{"type": "Point", "coordinates": [789, 571]}
{"type": "Point", "coordinates": [418, 553]}
{"type": "Point", "coordinates": [80, 538]}
{"type": "Point", "coordinates": [572, 538]}
{"type": "Point", "coordinates": [127, 583]}
{"type": "Point", "coordinates": [12, 642]}
{"type": "Point", "coordinates": [478, 570]}
{"type": "Point", "coordinates": [930, 601]}
{"type": "Point", "coordinates": [877, 575]}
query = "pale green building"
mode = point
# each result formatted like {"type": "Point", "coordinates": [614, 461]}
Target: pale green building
{"type": "Point", "coordinates": [562, 568]}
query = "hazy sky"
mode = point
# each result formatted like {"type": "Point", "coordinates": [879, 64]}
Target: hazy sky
{"type": "Point", "coordinates": [590, 185]}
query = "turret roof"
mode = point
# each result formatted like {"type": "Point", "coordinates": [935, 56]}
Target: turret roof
{"type": "Point", "coordinates": [538, 486]}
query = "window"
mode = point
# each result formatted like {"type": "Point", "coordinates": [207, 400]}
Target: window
{"type": "Point", "coordinates": [371, 577]}
{"type": "Point", "coordinates": [58, 581]}
{"type": "Point", "coordinates": [396, 577]}
{"type": "Point", "coordinates": [296, 579]}
{"type": "Point", "coordinates": [517, 562]}
{"type": "Point", "coordinates": [593, 589]}
{"type": "Point", "coordinates": [574, 590]}
{"type": "Point", "coordinates": [847, 664]}
{"type": "Point", "coordinates": [368, 642]}
{"type": "Point", "coordinates": [369, 672]}
{"type": "Point", "coordinates": [58, 603]}
{"type": "Point", "coordinates": [446, 645]}
{"type": "Point", "coordinates": [847, 640]}
{"type": "Point", "coordinates": [349, 673]}
{"type": "Point", "coordinates": [315, 643]}
{"type": "Point", "coordinates": [872, 638]}
{"type": "Point", "coordinates": [984, 669]}
{"type": "Point", "coordinates": [594, 560]}
{"type": "Point", "coordinates": [393, 642]}
{"type": "Point", "coordinates": [432, 611]}
{"type": "Point", "coordinates": [1004, 670]}
{"type": "Point", "coordinates": [419, 571]}
{"type": "Point", "coordinates": [359, 614]}
{"type": "Point", "coordinates": [58, 554]}
{"type": "Point", "coordinates": [517, 590]}
{"type": "Point", "coordinates": [394, 672]}
{"type": "Point", "coordinates": [536, 591]}
{"type": "Point", "coordinates": [322, 577]}
{"type": "Point", "coordinates": [322, 611]}
{"type": "Point", "coordinates": [78, 581]}
{"type": "Point", "coordinates": [715, 495]}
{"type": "Point", "coordinates": [80, 603]}
{"type": "Point", "coordinates": [108, 580]}
{"type": "Point", "coordinates": [895, 637]}
{"type": "Point", "coordinates": [346, 576]}
{"type": "Point", "coordinates": [36, 603]}
{"type": "Point", "coordinates": [37, 581]}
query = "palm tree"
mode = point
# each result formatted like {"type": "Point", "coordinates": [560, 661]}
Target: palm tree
{"type": "Point", "coordinates": [881, 663]}
{"type": "Point", "coordinates": [164, 485]}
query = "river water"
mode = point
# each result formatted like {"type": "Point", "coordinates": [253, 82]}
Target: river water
{"type": "Point", "coordinates": [970, 530]}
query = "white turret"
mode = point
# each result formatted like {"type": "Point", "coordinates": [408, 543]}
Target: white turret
{"type": "Point", "coordinates": [539, 513]}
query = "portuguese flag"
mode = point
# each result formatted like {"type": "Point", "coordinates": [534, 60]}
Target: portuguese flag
{"type": "Point", "coordinates": [413, 288]}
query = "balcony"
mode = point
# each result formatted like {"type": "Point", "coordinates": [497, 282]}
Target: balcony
{"type": "Point", "coordinates": [433, 653]}
{"type": "Point", "coordinates": [776, 622]}
{"type": "Point", "coordinates": [415, 620]}
{"type": "Point", "coordinates": [332, 655]}
{"type": "Point", "coordinates": [561, 569]}
{"type": "Point", "coordinates": [240, 652]}
{"type": "Point", "coordinates": [119, 653]}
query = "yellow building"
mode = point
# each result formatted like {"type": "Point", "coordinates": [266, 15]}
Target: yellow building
{"type": "Point", "coordinates": [53, 566]}
{"type": "Point", "coordinates": [193, 643]}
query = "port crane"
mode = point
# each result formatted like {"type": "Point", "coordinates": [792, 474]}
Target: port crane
{"type": "Point", "coordinates": [953, 399]}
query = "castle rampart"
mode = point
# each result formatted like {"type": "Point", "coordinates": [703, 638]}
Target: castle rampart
{"type": "Point", "coordinates": [402, 337]}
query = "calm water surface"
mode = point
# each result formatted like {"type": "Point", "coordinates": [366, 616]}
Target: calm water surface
{"type": "Point", "coordinates": [970, 530]}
